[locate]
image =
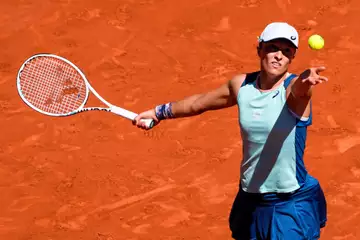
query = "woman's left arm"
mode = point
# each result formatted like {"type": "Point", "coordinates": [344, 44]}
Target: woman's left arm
{"type": "Point", "coordinates": [300, 90]}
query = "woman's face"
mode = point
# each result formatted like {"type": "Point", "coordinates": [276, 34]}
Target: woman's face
{"type": "Point", "coordinates": [276, 55]}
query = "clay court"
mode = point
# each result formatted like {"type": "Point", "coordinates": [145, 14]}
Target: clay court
{"type": "Point", "coordinates": [94, 176]}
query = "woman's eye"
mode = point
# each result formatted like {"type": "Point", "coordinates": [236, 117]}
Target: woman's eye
{"type": "Point", "coordinates": [273, 48]}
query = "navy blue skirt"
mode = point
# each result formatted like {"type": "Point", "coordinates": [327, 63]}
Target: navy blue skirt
{"type": "Point", "coordinates": [295, 216]}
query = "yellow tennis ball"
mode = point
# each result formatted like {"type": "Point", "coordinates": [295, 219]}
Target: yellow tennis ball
{"type": "Point", "coordinates": [316, 42]}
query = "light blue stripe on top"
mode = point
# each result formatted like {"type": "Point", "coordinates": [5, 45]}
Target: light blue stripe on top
{"type": "Point", "coordinates": [273, 140]}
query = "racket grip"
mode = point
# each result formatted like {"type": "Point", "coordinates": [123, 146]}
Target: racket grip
{"type": "Point", "coordinates": [149, 123]}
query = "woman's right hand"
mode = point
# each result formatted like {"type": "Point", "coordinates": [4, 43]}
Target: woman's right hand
{"type": "Point", "coordinates": [149, 114]}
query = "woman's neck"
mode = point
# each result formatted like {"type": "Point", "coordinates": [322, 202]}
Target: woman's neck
{"type": "Point", "coordinates": [267, 82]}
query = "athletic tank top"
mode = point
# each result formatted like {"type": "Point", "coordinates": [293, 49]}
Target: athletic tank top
{"type": "Point", "coordinates": [273, 139]}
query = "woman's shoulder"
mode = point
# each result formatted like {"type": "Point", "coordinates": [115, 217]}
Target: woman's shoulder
{"type": "Point", "coordinates": [242, 79]}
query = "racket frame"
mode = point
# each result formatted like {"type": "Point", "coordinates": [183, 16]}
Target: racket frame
{"type": "Point", "coordinates": [111, 108]}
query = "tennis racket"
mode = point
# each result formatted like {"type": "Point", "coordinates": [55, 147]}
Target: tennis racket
{"type": "Point", "coordinates": [54, 86]}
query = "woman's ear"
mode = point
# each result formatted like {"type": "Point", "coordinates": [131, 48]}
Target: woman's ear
{"type": "Point", "coordinates": [258, 48]}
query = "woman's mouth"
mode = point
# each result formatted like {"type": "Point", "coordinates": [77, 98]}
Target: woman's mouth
{"type": "Point", "coordinates": [275, 64]}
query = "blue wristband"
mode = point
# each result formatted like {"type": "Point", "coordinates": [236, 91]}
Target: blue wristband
{"type": "Point", "coordinates": [164, 111]}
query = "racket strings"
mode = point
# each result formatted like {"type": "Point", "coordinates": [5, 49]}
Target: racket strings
{"type": "Point", "coordinates": [52, 85]}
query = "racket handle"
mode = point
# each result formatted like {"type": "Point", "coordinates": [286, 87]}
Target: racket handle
{"type": "Point", "coordinates": [149, 123]}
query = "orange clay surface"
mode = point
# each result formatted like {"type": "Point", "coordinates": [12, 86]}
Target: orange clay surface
{"type": "Point", "coordinates": [95, 176]}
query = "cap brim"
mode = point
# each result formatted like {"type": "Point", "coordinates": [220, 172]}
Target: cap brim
{"type": "Point", "coordinates": [277, 38]}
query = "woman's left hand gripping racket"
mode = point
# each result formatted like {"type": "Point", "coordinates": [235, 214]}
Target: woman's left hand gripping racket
{"type": "Point", "coordinates": [54, 86]}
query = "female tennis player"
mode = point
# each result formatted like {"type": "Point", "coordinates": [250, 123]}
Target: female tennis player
{"type": "Point", "coordinates": [277, 198]}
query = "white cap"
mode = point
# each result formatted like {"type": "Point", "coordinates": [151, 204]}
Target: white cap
{"type": "Point", "coordinates": [277, 30]}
